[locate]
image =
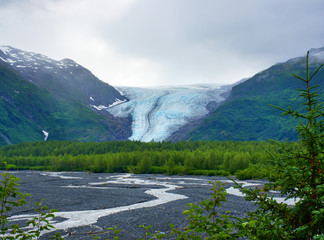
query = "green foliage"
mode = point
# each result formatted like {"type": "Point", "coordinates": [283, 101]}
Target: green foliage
{"type": "Point", "coordinates": [40, 223]}
{"type": "Point", "coordinates": [115, 231]}
{"type": "Point", "coordinates": [234, 162]}
{"type": "Point", "coordinates": [204, 220]}
{"type": "Point", "coordinates": [149, 236]}
{"type": "Point", "coordinates": [145, 164]}
{"type": "Point", "coordinates": [300, 177]}
{"type": "Point", "coordinates": [191, 158]}
{"type": "Point", "coordinates": [11, 198]}
{"type": "Point", "coordinates": [253, 172]}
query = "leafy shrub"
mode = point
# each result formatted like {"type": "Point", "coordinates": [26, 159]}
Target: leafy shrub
{"type": "Point", "coordinates": [204, 222]}
{"type": "Point", "coordinates": [252, 172]}
{"type": "Point", "coordinates": [11, 198]}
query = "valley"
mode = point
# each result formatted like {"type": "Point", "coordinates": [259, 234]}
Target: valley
{"type": "Point", "coordinates": [69, 102]}
{"type": "Point", "coordinates": [93, 198]}
{"type": "Point", "coordinates": [92, 202]}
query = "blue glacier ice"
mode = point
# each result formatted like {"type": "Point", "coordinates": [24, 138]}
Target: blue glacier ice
{"type": "Point", "coordinates": [159, 112]}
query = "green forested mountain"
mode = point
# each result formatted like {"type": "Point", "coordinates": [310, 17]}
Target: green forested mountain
{"type": "Point", "coordinates": [26, 110]}
{"type": "Point", "coordinates": [20, 103]}
{"type": "Point", "coordinates": [246, 115]}
{"type": "Point", "coordinates": [64, 79]}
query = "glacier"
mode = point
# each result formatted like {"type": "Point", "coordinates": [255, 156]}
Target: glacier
{"type": "Point", "coordinates": [160, 111]}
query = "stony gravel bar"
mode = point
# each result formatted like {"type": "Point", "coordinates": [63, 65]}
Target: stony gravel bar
{"type": "Point", "coordinates": [89, 203]}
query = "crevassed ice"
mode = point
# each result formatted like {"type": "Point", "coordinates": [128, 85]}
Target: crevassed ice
{"type": "Point", "coordinates": [159, 112]}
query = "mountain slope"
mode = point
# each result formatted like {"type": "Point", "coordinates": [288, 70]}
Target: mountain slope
{"type": "Point", "coordinates": [26, 108]}
{"type": "Point", "coordinates": [64, 79]}
{"type": "Point", "coordinates": [15, 114]}
{"type": "Point", "coordinates": [245, 115]}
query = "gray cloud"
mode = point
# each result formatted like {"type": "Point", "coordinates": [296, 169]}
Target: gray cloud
{"type": "Point", "coordinates": [145, 42]}
{"type": "Point", "coordinates": [195, 37]}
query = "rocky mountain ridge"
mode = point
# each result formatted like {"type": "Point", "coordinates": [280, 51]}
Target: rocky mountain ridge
{"type": "Point", "coordinates": [65, 78]}
{"type": "Point", "coordinates": [39, 95]}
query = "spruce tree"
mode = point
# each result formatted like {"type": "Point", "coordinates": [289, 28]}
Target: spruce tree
{"type": "Point", "coordinates": [299, 176]}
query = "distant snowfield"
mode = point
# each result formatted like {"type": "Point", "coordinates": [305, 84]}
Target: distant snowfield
{"type": "Point", "coordinates": [159, 187]}
{"type": "Point", "coordinates": [159, 112]}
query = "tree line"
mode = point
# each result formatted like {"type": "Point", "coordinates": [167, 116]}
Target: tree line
{"type": "Point", "coordinates": [244, 159]}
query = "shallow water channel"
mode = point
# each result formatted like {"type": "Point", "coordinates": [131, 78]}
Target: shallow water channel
{"type": "Point", "coordinates": [89, 203]}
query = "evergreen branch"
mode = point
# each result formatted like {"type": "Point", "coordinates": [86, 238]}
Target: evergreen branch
{"type": "Point", "coordinates": [307, 72]}
{"type": "Point", "coordinates": [280, 108]}
{"type": "Point", "coordinates": [299, 77]}
{"type": "Point", "coordinates": [316, 72]}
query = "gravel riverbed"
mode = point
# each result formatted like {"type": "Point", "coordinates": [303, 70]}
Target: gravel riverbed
{"type": "Point", "coordinates": [89, 203]}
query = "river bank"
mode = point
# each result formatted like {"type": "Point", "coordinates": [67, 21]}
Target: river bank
{"type": "Point", "coordinates": [89, 203]}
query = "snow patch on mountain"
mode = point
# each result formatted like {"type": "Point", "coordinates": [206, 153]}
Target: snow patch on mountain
{"type": "Point", "coordinates": [20, 59]}
{"type": "Point", "coordinates": [159, 112]}
{"type": "Point", "coordinates": [102, 107]}
{"type": "Point", "coordinates": [64, 78]}
{"type": "Point", "coordinates": [45, 135]}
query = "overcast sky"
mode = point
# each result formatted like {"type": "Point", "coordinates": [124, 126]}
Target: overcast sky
{"type": "Point", "coordinates": [165, 42]}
